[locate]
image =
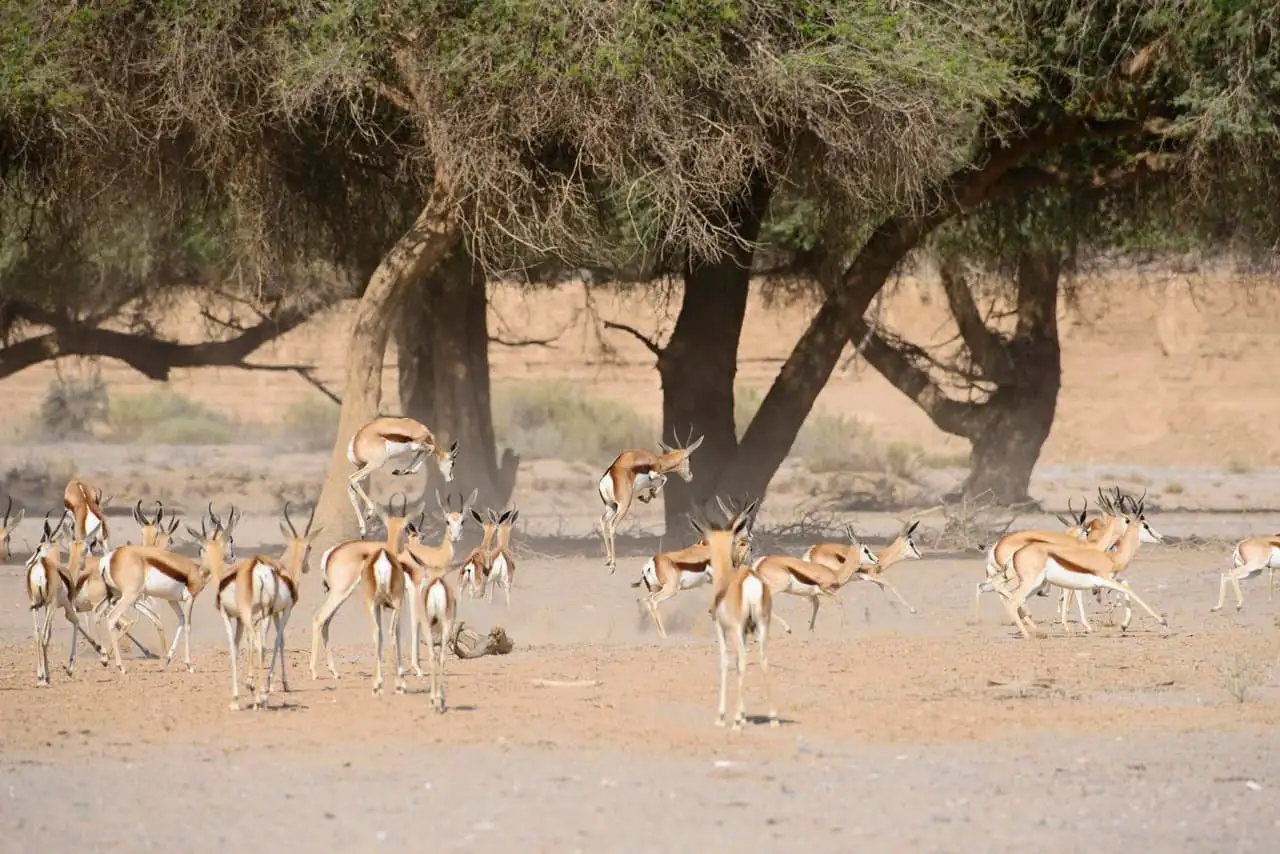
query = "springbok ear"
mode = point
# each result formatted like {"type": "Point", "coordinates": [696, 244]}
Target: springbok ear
{"type": "Point", "coordinates": [515, 514]}
{"type": "Point", "coordinates": [912, 527]}
{"type": "Point", "coordinates": [696, 444]}
{"type": "Point", "coordinates": [453, 449]}
{"type": "Point", "coordinates": [1064, 520]}
{"type": "Point", "coordinates": [475, 493]}
{"type": "Point", "coordinates": [195, 535]}
{"type": "Point", "coordinates": [697, 527]}
{"type": "Point", "coordinates": [477, 516]}
{"type": "Point", "coordinates": [22, 514]}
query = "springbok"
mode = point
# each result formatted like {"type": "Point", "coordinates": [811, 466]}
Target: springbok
{"type": "Point", "coordinates": [131, 572]}
{"type": "Point", "coordinates": [741, 604]}
{"type": "Point", "coordinates": [341, 566]}
{"type": "Point", "coordinates": [1250, 557]}
{"type": "Point", "coordinates": [382, 441]}
{"type": "Point", "coordinates": [637, 475]}
{"type": "Point", "coordinates": [439, 607]}
{"type": "Point", "coordinates": [49, 589]}
{"type": "Point", "coordinates": [1073, 567]}
{"type": "Point", "coordinates": [254, 591]}
{"type": "Point", "coordinates": [85, 505]}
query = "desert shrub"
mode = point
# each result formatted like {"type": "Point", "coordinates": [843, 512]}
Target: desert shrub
{"type": "Point", "coordinates": [72, 406]}
{"type": "Point", "coordinates": [167, 418]}
{"type": "Point", "coordinates": [311, 424]}
{"type": "Point", "coordinates": [830, 443]}
{"type": "Point", "coordinates": [556, 420]}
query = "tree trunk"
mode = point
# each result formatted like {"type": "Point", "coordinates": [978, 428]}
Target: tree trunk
{"type": "Point", "coordinates": [1011, 427]}
{"type": "Point", "coordinates": [444, 376]}
{"type": "Point", "coordinates": [432, 234]}
{"type": "Point", "coordinates": [700, 361]}
{"type": "Point", "coordinates": [775, 426]}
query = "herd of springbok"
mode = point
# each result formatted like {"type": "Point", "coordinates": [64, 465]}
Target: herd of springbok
{"type": "Point", "coordinates": [105, 583]}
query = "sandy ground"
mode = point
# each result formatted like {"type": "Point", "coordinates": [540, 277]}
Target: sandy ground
{"type": "Point", "coordinates": [900, 732]}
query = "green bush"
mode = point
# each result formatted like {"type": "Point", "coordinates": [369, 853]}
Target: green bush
{"type": "Point", "coordinates": [167, 418]}
{"type": "Point", "coordinates": [555, 420]}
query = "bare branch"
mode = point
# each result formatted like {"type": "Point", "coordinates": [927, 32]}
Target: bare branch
{"type": "Point", "coordinates": [524, 342]}
{"type": "Point", "coordinates": [986, 348]}
{"type": "Point", "coordinates": [648, 342]}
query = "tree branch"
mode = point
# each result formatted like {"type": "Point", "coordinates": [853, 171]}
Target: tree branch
{"type": "Point", "coordinates": [648, 342]}
{"type": "Point", "coordinates": [524, 342]}
{"type": "Point", "coordinates": [987, 348]}
{"type": "Point", "coordinates": [154, 358]}
{"type": "Point", "coordinates": [950, 415]}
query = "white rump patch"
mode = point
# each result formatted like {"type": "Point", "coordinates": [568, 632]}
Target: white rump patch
{"type": "Point", "coordinates": [382, 570]}
{"type": "Point", "coordinates": [38, 579]}
{"type": "Point", "coordinates": [436, 600]}
{"type": "Point", "coordinates": [650, 573]}
{"type": "Point", "coordinates": [500, 567]}
{"type": "Point", "coordinates": [91, 523]}
{"type": "Point", "coordinates": [606, 489]}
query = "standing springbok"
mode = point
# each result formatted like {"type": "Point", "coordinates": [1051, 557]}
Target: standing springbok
{"type": "Point", "coordinates": [8, 526]}
{"type": "Point", "coordinates": [502, 564]}
{"type": "Point", "coordinates": [382, 441]}
{"type": "Point", "coordinates": [1250, 557]}
{"type": "Point", "coordinates": [434, 557]}
{"type": "Point", "coordinates": [49, 589]}
{"type": "Point", "coordinates": [85, 505]}
{"type": "Point", "coordinates": [474, 571]}
{"type": "Point", "coordinates": [741, 604]}
{"type": "Point", "coordinates": [256, 590]}
{"type": "Point", "coordinates": [439, 606]}
{"type": "Point", "coordinates": [637, 475]}
{"type": "Point", "coordinates": [136, 571]}
{"type": "Point", "coordinates": [340, 572]}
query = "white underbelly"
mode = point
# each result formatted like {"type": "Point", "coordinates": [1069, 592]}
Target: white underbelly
{"type": "Point", "coordinates": [799, 588]}
{"type": "Point", "coordinates": [400, 449]}
{"type": "Point", "coordinates": [162, 586]}
{"type": "Point", "coordinates": [1058, 575]}
{"type": "Point", "coordinates": [693, 579]}
{"type": "Point", "coordinates": [645, 480]}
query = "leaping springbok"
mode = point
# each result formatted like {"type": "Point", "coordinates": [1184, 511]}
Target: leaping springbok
{"type": "Point", "coordinates": [382, 441]}
{"type": "Point", "coordinates": [637, 475]}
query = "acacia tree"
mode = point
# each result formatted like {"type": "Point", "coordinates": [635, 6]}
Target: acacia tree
{"type": "Point", "coordinates": [1116, 86]}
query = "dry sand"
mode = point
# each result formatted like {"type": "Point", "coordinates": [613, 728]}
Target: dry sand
{"type": "Point", "coordinates": [900, 732]}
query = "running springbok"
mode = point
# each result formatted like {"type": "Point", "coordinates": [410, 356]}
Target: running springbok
{"type": "Point", "coordinates": [741, 604]}
{"type": "Point", "coordinates": [49, 589]}
{"type": "Point", "coordinates": [1250, 558]}
{"type": "Point", "coordinates": [131, 572]}
{"type": "Point", "coordinates": [1073, 566]}
{"type": "Point", "coordinates": [382, 441]}
{"type": "Point", "coordinates": [637, 475]}
{"type": "Point", "coordinates": [91, 591]}
{"type": "Point", "coordinates": [668, 573]}
{"type": "Point", "coordinates": [340, 572]}
{"type": "Point", "coordinates": [1101, 534]}
{"type": "Point", "coordinates": [8, 526]}
{"type": "Point", "coordinates": [439, 607]}
{"type": "Point", "coordinates": [85, 505]}
{"type": "Point", "coordinates": [254, 591]}
{"type": "Point", "coordinates": [869, 566]}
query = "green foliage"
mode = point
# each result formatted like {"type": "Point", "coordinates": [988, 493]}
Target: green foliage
{"type": "Point", "coordinates": [168, 418]}
{"type": "Point", "coordinates": [556, 420]}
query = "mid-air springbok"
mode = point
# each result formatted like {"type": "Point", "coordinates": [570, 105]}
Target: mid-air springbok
{"type": "Point", "coordinates": [382, 441]}
{"type": "Point", "coordinates": [637, 475]}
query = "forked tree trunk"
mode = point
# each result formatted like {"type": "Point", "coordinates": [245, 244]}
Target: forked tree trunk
{"type": "Point", "coordinates": [1008, 431]}
{"type": "Point", "coordinates": [444, 377]}
{"type": "Point", "coordinates": [433, 233]}
{"type": "Point", "coordinates": [699, 364]}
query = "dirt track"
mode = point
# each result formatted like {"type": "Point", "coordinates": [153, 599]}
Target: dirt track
{"type": "Point", "coordinates": [900, 733]}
